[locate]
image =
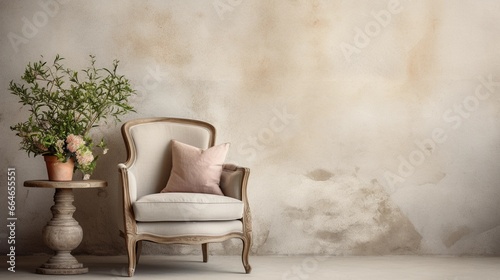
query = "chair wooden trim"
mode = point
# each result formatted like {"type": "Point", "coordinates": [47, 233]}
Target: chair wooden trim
{"type": "Point", "coordinates": [133, 239]}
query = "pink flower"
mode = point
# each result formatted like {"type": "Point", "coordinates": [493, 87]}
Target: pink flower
{"type": "Point", "coordinates": [84, 158]}
{"type": "Point", "coordinates": [74, 142]}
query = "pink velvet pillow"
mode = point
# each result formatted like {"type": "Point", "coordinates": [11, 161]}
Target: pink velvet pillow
{"type": "Point", "coordinates": [196, 170]}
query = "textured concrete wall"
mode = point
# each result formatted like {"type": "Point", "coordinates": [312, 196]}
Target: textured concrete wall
{"type": "Point", "coordinates": [371, 127]}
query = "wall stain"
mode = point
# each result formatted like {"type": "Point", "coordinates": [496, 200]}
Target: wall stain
{"type": "Point", "coordinates": [304, 214]}
{"type": "Point", "coordinates": [422, 59]}
{"type": "Point", "coordinates": [268, 58]}
{"type": "Point", "coordinates": [320, 174]}
{"type": "Point", "coordinates": [158, 36]}
{"type": "Point", "coordinates": [345, 213]}
{"type": "Point", "coordinates": [260, 240]}
{"type": "Point", "coordinates": [275, 47]}
{"type": "Point", "coordinates": [328, 236]}
{"type": "Point", "coordinates": [455, 236]}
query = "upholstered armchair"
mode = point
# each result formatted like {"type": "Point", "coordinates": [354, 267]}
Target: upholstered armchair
{"type": "Point", "coordinates": [178, 217]}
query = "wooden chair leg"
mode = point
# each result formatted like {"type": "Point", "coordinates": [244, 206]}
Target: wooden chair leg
{"type": "Point", "coordinates": [204, 249]}
{"type": "Point", "coordinates": [131, 250]}
{"type": "Point", "coordinates": [247, 242]}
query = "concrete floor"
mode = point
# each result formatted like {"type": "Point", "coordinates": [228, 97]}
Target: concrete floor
{"type": "Point", "coordinates": [270, 267]}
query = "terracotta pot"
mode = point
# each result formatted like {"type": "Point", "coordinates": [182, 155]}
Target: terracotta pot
{"type": "Point", "coordinates": [59, 171]}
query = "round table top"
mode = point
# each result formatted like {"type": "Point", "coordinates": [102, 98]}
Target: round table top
{"type": "Point", "coordinates": [85, 184]}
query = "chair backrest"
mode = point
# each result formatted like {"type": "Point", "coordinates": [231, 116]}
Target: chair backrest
{"type": "Point", "coordinates": [149, 149]}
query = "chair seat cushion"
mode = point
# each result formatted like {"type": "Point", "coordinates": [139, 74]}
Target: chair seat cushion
{"type": "Point", "coordinates": [172, 206]}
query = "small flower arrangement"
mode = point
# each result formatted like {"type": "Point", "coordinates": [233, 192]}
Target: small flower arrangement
{"type": "Point", "coordinates": [64, 107]}
{"type": "Point", "coordinates": [79, 148]}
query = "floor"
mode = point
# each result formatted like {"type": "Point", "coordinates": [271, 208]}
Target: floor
{"type": "Point", "coordinates": [270, 267]}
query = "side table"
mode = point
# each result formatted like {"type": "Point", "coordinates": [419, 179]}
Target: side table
{"type": "Point", "coordinates": [63, 233]}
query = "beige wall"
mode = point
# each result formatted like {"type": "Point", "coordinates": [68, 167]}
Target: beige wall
{"type": "Point", "coordinates": [371, 127]}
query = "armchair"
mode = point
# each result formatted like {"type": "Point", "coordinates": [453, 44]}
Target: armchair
{"type": "Point", "coordinates": [177, 218]}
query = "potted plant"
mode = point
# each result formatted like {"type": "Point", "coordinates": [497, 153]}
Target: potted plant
{"type": "Point", "coordinates": [64, 106]}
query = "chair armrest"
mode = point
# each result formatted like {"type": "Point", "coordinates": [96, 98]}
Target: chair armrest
{"type": "Point", "coordinates": [122, 166]}
{"type": "Point", "coordinates": [128, 181]}
{"type": "Point", "coordinates": [233, 182]}
{"type": "Point", "coordinates": [128, 212]}
{"type": "Point", "coordinates": [124, 180]}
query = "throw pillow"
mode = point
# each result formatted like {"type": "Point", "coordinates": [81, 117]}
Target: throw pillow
{"type": "Point", "coordinates": [196, 170]}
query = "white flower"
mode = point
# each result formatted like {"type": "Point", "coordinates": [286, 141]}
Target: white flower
{"type": "Point", "coordinates": [59, 146]}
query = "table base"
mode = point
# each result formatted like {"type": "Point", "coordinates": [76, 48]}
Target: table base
{"type": "Point", "coordinates": [63, 271]}
{"type": "Point", "coordinates": [62, 234]}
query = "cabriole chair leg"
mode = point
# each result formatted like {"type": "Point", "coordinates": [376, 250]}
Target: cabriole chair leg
{"type": "Point", "coordinates": [131, 250]}
{"type": "Point", "coordinates": [244, 255]}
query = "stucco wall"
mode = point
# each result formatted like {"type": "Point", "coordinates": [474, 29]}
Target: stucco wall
{"type": "Point", "coordinates": [370, 127]}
